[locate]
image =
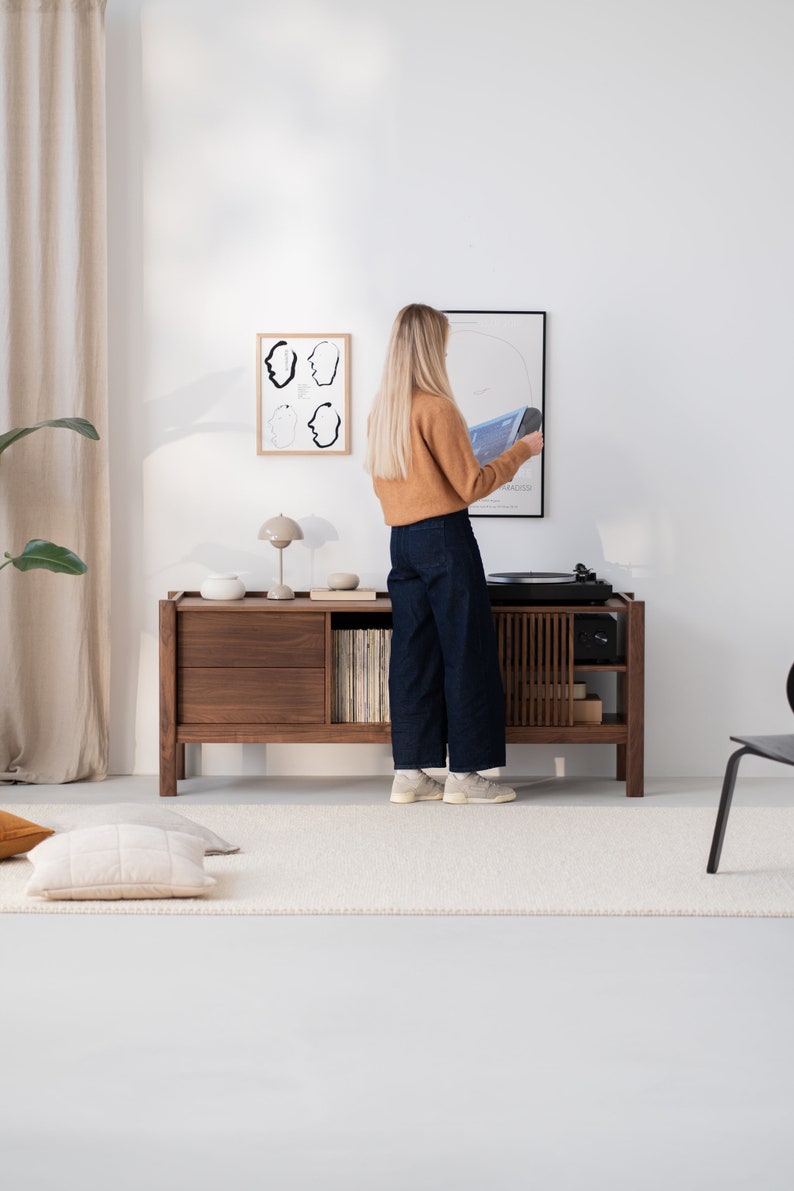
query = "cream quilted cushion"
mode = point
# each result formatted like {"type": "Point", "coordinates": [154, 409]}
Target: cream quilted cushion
{"type": "Point", "coordinates": [74, 818]}
{"type": "Point", "coordinates": [120, 860]}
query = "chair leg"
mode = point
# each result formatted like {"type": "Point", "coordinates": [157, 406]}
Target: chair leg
{"type": "Point", "coordinates": [729, 781]}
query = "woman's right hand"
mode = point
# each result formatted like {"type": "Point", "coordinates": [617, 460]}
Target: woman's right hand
{"type": "Point", "coordinates": [534, 441]}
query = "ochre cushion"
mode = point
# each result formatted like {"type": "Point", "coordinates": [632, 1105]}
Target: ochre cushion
{"type": "Point", "coordinates": [18, 835]}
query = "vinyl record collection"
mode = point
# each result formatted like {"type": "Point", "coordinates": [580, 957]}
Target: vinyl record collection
{"type": "Point", "coordinates": [361, 668]}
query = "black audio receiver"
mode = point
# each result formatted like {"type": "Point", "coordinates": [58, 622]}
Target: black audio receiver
{"type": "Point", "coordinates": [595, 637]}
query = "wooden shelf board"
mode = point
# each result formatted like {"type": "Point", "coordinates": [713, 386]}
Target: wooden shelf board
{"type": "Point", "coordinates": [599, 667]}
{"type": "Point", "coordinates": [283, 734]}
{"type": "Point", "coordinates": [613, 730]}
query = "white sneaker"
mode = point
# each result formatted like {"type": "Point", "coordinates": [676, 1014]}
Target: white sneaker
{"type": "Point", "coordinates": [474, 788]}
{"type": "Point", "coordinates": [416, 789]}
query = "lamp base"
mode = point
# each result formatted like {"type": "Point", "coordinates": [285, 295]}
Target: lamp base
{"type": "Point", "coordinates": [281, 592]}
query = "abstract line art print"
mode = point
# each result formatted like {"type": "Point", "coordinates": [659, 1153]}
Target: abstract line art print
{"type": "Point", "coordinates": [303, 394]}
{"type": "Point", "coordinates": [496, 362]}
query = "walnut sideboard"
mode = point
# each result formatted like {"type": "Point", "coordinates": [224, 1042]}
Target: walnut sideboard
{"type": "Point", "coordinates": [263, 671]}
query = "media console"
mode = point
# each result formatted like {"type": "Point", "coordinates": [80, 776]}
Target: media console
{"type": "Point", "coordinates": [263, 671]}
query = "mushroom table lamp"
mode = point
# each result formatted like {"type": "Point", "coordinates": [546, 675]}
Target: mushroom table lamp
{"type": "Point", "coordinates": [280, 531]}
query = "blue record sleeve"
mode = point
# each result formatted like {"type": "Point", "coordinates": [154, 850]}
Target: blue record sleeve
{"type": "Point", "coordinates": [491, 438]}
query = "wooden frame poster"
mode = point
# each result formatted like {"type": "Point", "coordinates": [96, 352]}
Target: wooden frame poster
{"type": "Point", "coordinates": [303, 394]}
{"type": "Point", "coordinates": [496, 362]}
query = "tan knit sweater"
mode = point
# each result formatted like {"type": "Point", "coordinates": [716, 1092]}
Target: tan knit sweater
{"type": "Point", "coordinates": [445, 476]}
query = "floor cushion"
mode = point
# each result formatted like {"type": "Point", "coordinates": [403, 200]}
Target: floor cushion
{"type": "Point", "coordinates": [121, 860]}
{"type": "Point", "coordinates": [19, 835]}
{"type": "Point", "coordinates": [74, 817]}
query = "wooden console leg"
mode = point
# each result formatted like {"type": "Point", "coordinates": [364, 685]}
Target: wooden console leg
{"type": "Point", "coordinates": [635, 778]}
{"type": "Point", "coordinates": [169, 750]}
{"type": "Point", "coordinates": [633, 759]}
{"type": "Point", "coordinates": [168, 777]}
{"type": "Point", "coordinates": [630, 773]}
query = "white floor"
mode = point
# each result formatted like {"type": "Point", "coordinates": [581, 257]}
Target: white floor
{"type": "Point", "coordinates": [396, 1053]}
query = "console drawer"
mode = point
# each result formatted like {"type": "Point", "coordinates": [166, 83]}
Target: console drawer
{"type": "Point", "coordinates": [250, 695]}
{"type": "Point", "coordinates": [251, 639]}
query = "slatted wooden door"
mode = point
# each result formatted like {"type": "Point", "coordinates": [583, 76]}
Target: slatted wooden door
{"type": "Point", "coordinates": [536, 659]}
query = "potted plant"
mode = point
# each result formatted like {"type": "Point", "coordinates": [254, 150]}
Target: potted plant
{"type": "Point", "coordinates": [38, 554]}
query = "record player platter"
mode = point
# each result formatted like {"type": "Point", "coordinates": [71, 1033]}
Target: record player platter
{"type": "Point", "coordinates": [580, 586]}
{"type": "Point", "coordinates": [533, 577]}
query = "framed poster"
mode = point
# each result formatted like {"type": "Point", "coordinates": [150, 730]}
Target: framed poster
{"type": "Point", "coordinates": [496, 362]}
{"type": "Point", "coordinates": [303, 394]}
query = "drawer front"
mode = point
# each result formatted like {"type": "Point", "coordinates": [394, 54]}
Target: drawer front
{"type": "Point", "coordinates": [250, 639]}
{"type": "Point", "coordinates": [246, 695]}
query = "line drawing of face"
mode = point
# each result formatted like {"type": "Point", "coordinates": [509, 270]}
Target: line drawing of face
{"type": "Point", "coordinates": [324, 361]}
{"type": "Point", "coordinates": [324, 425]}
{"type": "Point", "coordinates": [281, 362]}
{"type": "Point", "coordinates": [283, 424]}
{"type": "Point", "coordinates": [485, 367]}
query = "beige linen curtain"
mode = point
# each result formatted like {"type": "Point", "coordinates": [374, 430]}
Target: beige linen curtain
{"type": "Point", "coordinates": [54, 631]}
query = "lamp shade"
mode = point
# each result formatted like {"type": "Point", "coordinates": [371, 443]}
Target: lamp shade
{"type": "Point", "coordinates": [281, 531]}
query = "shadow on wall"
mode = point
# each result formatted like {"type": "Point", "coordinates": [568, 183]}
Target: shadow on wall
{"type": "Point", "coordinates": [180, 414]}
{"type": "Point", "coordinates": [256, 572]}
{"type": "Point", "coordinates": [317, 532]}
{"type": "Point", "coordinates": [632, 535]}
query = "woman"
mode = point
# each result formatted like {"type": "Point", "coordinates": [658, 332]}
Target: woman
{"type": "Point", "coordinates": [445, 688]}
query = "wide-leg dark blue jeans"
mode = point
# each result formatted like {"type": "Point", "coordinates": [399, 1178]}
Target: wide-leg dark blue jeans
{"type": "Point", "coordinates": [445, 688]}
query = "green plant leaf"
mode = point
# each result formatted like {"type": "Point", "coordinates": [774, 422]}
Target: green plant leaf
{"type": "Point", "coordinates": [80, 425]}
{"type": "Point", "coordinates": [46, 556]}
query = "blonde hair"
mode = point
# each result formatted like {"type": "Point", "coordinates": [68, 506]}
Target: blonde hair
{"type": "Point", "coordinates": [415, 362]}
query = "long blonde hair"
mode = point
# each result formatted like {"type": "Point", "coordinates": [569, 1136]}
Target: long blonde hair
{"type": "Point", "coordinates": [415, 362]}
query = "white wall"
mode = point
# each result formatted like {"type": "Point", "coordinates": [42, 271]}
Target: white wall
{"type": "Point", "coordinates": [624, 165]}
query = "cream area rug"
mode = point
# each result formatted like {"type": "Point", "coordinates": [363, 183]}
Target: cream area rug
{"type": "Point", "coordinates": [429, 858]}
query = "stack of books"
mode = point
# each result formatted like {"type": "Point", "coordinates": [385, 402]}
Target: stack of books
{"type": "Point", "coordinates": [561, 690]}
{"type": "Point", "coordinates": [361, 676]}
{"type": "Point", "coordinates": [338, 593]}
{"type": "Point", "coordinates": [587, 709]}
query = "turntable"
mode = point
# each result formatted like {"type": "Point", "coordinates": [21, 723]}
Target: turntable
{"type": "Point", "coordinates": [580, 586]}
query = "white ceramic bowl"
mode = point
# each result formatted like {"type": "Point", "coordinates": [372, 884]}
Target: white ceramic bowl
{"type": "Point", "coordinates": [343, 581]}
{"type": "Point", "coordinates": [222, 587]}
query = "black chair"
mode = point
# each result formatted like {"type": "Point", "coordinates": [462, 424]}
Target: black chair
{"type": "Point", "coordinates": [774, 748]}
